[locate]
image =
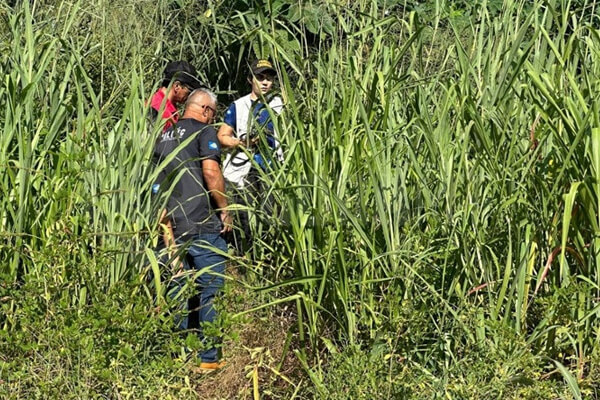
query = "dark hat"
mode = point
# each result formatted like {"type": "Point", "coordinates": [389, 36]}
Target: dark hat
{"type": "Point", "coordinates": [260, 66]}
{"type": "Point", "coordinates": [183, 72]}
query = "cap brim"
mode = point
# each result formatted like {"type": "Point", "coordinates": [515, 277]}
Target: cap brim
{"type": "Point", "coordinates": [263, 69]}
{"type": "Point", "coordinates": [195, 85]}
{"type": "Point", "coordinates": [188, 79]}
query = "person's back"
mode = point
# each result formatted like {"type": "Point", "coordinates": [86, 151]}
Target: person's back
{"type": "Point", "coordinates": [190, 206]}
{"type": "Point", "coordinates": [197, 210]}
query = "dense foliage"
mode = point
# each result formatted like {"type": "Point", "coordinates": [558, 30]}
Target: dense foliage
{"type": "Point", "coordinates": [437, 219]}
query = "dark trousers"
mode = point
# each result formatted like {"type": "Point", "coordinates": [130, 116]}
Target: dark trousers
{"type": "Point", "coordinates": [208, 267]}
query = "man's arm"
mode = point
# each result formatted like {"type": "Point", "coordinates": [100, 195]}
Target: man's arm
{"type": "Point", "coordinates": [226, 131]}
{"type": "Point", "coordinates": [211, 170]}
{"type": "Point", "coordinates": [226, 137]}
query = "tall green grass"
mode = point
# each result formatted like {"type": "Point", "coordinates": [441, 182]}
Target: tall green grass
{"type": "Point", "coordinates": [413, 184]}
{"type": "Point", "coordinates": [438, 197]}
{"type": "Point", "coordinates": [76, 209]}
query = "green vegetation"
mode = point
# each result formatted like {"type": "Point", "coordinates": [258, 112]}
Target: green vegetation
{"type": "Point", "coordinates": [438, 210]}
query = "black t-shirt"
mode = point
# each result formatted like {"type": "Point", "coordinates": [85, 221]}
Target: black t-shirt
{"type": "Point", "coordinates": [190, 207]}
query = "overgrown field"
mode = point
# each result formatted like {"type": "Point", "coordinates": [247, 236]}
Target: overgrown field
{"type": "Point", "coordinates": [437, 224]}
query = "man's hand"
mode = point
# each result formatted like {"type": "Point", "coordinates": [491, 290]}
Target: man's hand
{"type": "Point", "coordinates": [254, 141]}
{"type": "Point", "coordinates": [227, 221]}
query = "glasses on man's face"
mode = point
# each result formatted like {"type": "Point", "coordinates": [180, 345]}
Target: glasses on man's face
{"type": "Point", "coordinates": [214, 111]}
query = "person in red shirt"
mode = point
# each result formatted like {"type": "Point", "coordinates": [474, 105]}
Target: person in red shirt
{"type": "Point", "coordinates": [180, 79]}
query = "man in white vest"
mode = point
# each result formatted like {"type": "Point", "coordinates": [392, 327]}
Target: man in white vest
{"type": "Point", "coordinates": [247, 125]}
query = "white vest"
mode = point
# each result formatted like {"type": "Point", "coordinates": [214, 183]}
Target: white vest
{"type": "Point", "coordinates": [237, 164]}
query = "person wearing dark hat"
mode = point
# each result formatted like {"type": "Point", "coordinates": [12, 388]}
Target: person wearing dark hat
{"type": "Point", "coordinates": [179, 81]}
{"type": "Point", "coordinates": [248, 125]}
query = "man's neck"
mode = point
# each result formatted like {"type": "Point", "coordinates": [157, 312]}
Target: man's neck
{"type": "Point", "coordinates": [192, 114]}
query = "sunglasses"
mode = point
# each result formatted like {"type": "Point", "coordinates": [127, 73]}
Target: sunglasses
{"type": "Point", "coordinates": [214, 111]}
{"type": "Point", "coordinates": [261, 77]}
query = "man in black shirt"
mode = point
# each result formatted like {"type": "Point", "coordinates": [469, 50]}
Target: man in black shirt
{"type": "Point", "coordinates": [197, 206]}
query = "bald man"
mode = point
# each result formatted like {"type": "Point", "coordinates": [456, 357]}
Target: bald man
{"type": "Point", "coordinates": [197, 207]}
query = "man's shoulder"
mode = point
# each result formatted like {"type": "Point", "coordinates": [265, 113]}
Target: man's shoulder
{"type": "Point", "coordinates": [209, 130]}
{"type": "Point", "coordinates": [245, 100]}
{"type": "Point", "coordinates": [209, 145]}
{"type": "Point", "coordinates": [192, 124]}
{"type": "Point", "coordinates": [189, 126]}
{"type": "Point", "coordinates": [157, 99]}
{"type": "Point", "coordinates": [275, 101]}
{"type": "Point", "coordinates": [276, 104]}
{"type": "Point", "coordinates": [157, 96]}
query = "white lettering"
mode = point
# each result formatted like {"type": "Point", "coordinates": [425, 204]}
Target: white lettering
{"type": "Point", "coordinates": [170, 134]}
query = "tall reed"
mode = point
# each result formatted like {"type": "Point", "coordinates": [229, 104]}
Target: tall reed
{"type": "Point", "coordinates": [416, 184]}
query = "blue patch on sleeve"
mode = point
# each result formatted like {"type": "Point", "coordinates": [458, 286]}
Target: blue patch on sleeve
{"type": "Point", "coordinates": [155, 188]}
{"type": "Point", "coordinates": [213, 145]}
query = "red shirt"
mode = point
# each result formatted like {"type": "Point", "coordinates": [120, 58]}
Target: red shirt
{"type": "Point", "coordinates": [169, 112]}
